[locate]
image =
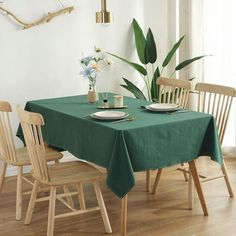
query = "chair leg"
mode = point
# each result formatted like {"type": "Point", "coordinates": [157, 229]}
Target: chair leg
{"type": "Point", "coordinates": [51, 211]}
{"type": "Point", "coordinates": [31, 203]}
{"type": "Point", "coordinates": [19, 192]}
{"type": "Point", "coordinates": [148, 180]}
{"type": "Point", "coordinates": [81, 196]}
{"type": "Point", "coordinates": [184, 173]}
{"type": "Point", "coordinates": [227, 181]}
{"type": "Point", "coordinates": [157, 180]}
{"type": "Point", "coordinates": [194, 173]}
{"type": "Point", "coordinates": [102, 207]}
{"type": "Point", "coordinates": [68, 198]}
{"type": "Point", "coordinates": [2, 174]}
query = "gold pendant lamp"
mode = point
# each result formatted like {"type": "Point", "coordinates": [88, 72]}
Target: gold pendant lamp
{"type": "Point", "coordinates": [103, 16]}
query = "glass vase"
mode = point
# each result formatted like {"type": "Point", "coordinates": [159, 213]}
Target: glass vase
{"type": "Point", "coordinates": [92, 94]}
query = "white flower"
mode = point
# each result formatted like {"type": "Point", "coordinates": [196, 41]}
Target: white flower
{"type": "Point", "coordinates": [109, 62]}
{"type": "Point", "coordinates": [94, 64]}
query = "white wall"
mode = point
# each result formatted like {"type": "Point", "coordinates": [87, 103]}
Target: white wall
{"type": "Point", "coordinates": [160, 17]}
{"type": "Point", "coordinates": [43, 61]}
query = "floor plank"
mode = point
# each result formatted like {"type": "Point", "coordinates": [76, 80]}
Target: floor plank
{"type": "Point", "coordinates": [163, 214]}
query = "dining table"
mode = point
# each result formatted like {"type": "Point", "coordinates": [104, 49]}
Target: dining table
{"type": "Point", "coordinates": [149, 141]}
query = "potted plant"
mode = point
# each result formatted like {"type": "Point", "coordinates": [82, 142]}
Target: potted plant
{"type": "Point", "coordinates": [147, 54]}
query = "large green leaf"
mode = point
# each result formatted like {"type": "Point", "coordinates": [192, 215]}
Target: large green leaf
{"type": "Point", "coordinates": [140, 41]}
{"type": "Point", "coordinates": [187, 62]}
{"type": "Point", "coordinates": [154, 88]}
{"type": "Point", "coordinates": [133, 89]}
{"type": "Point", "coordinates": [150, 50]}
{"type": "Point", "coordinates": [136, 66]}
{"type": "Point", "coordinates": [172, 52]}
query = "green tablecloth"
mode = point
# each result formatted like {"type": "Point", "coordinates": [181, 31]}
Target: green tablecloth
{"type": "Point", "coordinates": [153, 140]}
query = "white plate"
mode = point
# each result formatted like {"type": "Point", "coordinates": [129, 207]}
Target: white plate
{"type": "Point", "coordinates": [109, 115]}
{"type": "Point", "coordinates": [162, 107]}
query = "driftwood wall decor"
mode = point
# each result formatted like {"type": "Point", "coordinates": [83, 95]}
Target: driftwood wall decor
{"type": "Point", "coordinates": [45, 19]}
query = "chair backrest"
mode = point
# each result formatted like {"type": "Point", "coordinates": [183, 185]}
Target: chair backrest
{"type": "Point", "coordinates": [7, 147]}
{"type": "Point", "coordinates": [174, 91]}
{"type": "Point", "coordinates": [31, 125]}
{"type": "Point", "coordinates": [216, 100]}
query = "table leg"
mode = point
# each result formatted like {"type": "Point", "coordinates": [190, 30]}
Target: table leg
{"type": "Point", "coordinates": [197, 183]}
{"type": "Point", "coordinates": [123, 215]}
{"type": "Point", "coordinates": [191, 191]}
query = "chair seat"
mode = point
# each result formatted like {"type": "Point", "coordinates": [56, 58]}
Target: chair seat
{"type": "Point", "coordinates": [71, 172]}
{"type": "Point", "coordinates": [23, 157]}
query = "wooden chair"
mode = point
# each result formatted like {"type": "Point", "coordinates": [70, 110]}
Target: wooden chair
{"type": "Point", "coordinates": [57, 175]}
{"type": "Point", "coordinates": [170, 91]}
{"type": "Point", "coordinates": [9, 155]}
{"type": "Point", "coordinates": [215, 100]}
{"type": "Point", "coordinates": [174, 91]}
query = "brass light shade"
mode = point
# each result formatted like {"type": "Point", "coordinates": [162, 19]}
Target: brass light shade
{"type": "Point", "coordinates": [103, 16]}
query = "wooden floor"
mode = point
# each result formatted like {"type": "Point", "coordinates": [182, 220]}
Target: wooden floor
{"type": "Point", "coordinates": [150, 215]}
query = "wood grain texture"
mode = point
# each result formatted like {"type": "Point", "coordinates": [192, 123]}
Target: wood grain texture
{"type": "Point", "coordinates": [19, 157]}
{"type": "Point", "coordinates": [57, 175]}
{"type": "Point", "coordinates": [165, 213]}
